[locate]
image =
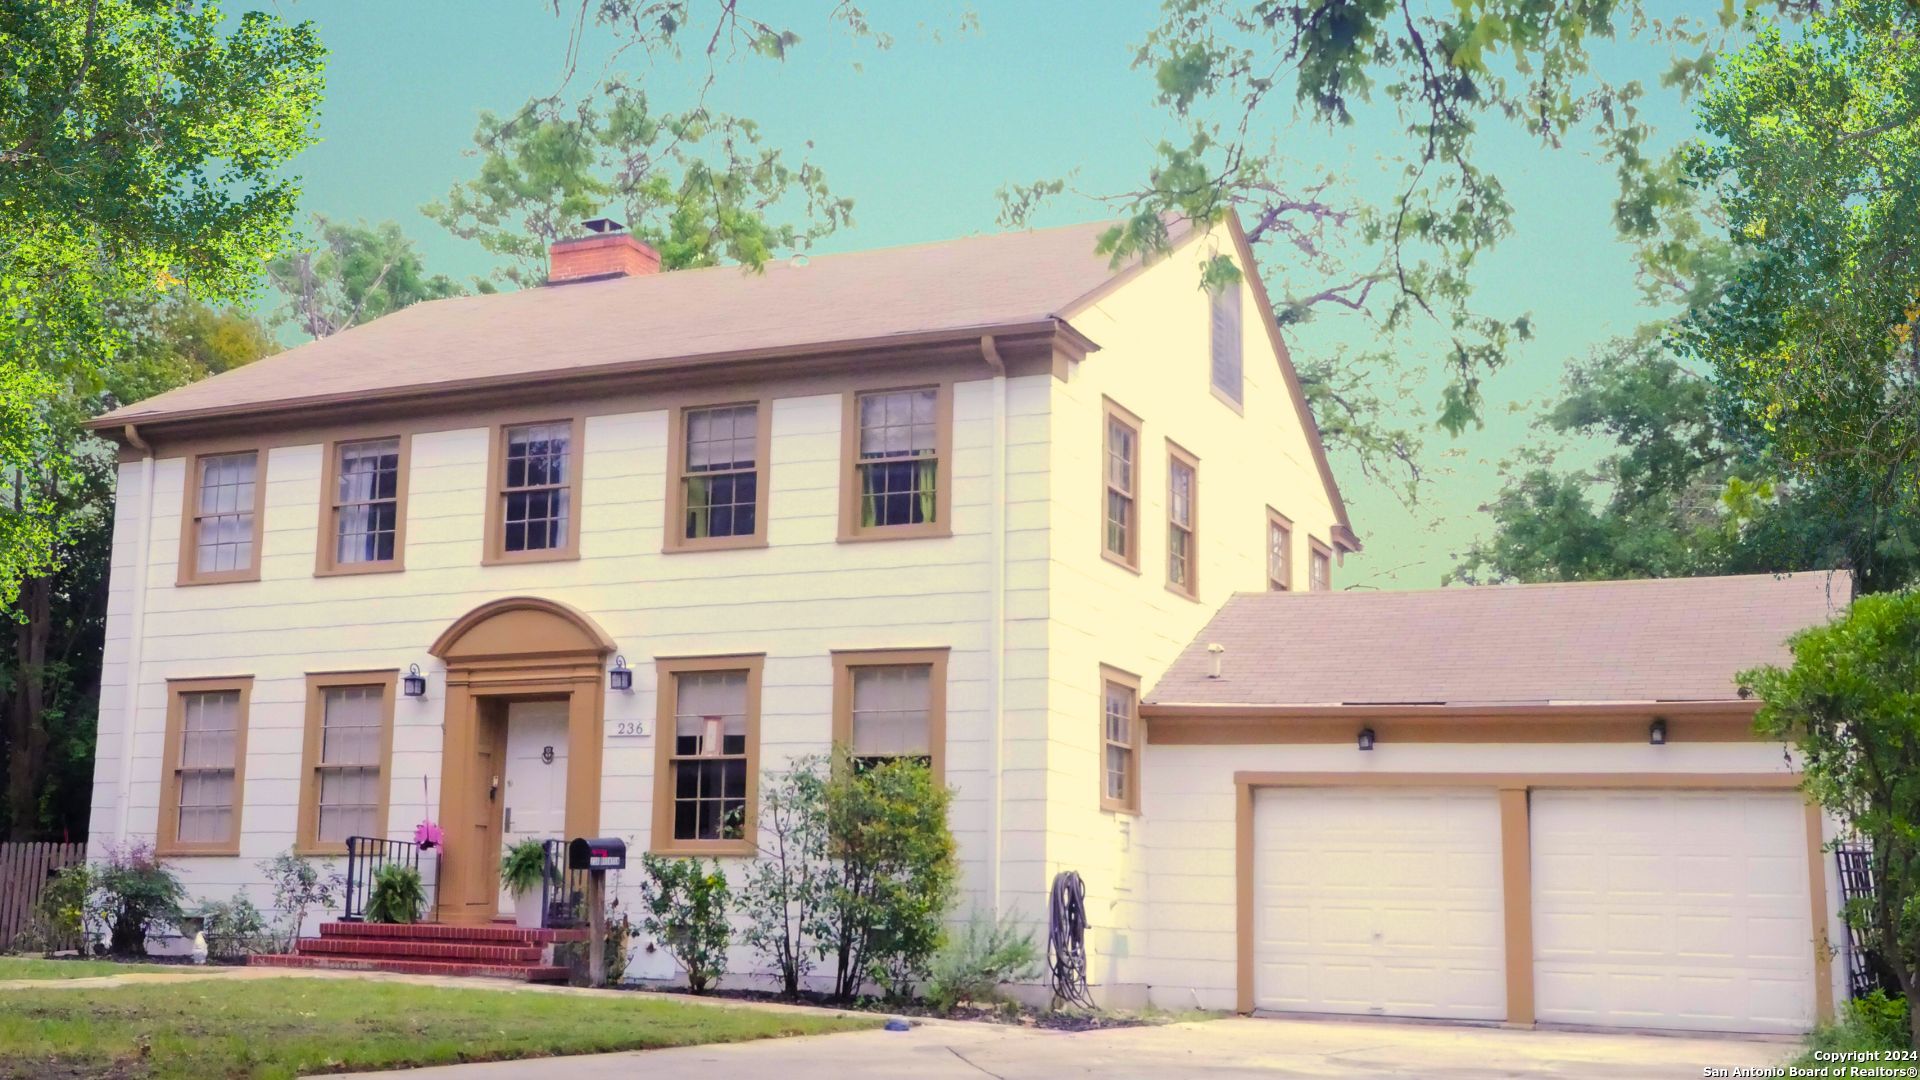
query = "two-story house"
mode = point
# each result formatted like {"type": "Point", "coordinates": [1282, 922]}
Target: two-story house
{"type": "Point", "coordinates": [587, 559]}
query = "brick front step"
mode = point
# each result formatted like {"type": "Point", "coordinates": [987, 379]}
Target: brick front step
{"type": "Point", "coordinates": [489, 935]}
{"type": "Point", "coordinates": [474, 951]}
{"type": "Point", "coordinates": [522, 972]}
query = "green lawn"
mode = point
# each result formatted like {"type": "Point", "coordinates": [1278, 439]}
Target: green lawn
{"type": "Point", "coordinates": [33, 967]}
{"type": "Point", "coordinates": [293, 1026]}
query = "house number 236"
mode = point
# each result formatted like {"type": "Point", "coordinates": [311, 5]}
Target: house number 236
{"type": "Point", "coordinates": [628, 728]}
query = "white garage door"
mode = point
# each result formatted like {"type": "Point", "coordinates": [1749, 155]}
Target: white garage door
{"type": "Point", "coordinates": [1678, 909]}
{"type": "Point", "coordinates": [1381, 902]}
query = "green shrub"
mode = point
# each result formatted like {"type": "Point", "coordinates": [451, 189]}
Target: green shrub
{"type": "Point", "coordinates": [234, 928]}
{"type": "Point", "coordinates": [522, 867]}
{"type": "Point", "coordinates": [894, 874]}
{"type": "Point", "coordinates": [687, 912]}
{"type": "Point", "coordinates": [60, 916]}
{"type": "Point", "coordinates": [788, 886]}
{"type": "Point", "coordinates": [1872, 1023]}
{"type": "Point", "coordinates": [396, 895]}
{"type": "Point", "coordinates": [971, 965]}
{"type": "Point", "coordinates": [133, 894]}
{"type": "Point", "coordinates": [299, 884]}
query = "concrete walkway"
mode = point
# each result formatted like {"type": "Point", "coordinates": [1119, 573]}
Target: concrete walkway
{"type": "Point", "coordinates": [1239, 1047]}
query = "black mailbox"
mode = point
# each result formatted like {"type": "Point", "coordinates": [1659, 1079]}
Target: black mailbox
{"type": "Point", "coordinates": [597, 853]}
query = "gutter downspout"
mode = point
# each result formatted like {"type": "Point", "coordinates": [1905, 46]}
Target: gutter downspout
{"type": "Point", "coordinates": [997, 633]}
{"type": "Point", "coordinates": [136, 638]}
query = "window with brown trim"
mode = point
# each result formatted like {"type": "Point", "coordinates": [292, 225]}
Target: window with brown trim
{"type": "Point", "coordinates": [220, 523]}
{"type": "Point", "coordinates": [1183, 514]}
{"type": "Point", "coordinates": [1279, 551]}
{"type": "Point", "coordinates": [344, 775]}
{"type": "Point", "coordinates": [707, 759]}
{"type": "Point", "coordinates": [717, 476]}
{"type": "Point", "coordinates": [897, 447]}
{"type": "Point", "coordinates": [1120, 740]}
{"type": "Point", "coordinates": [536, 483]}
{"type": "Point", "coordinates": [204, 766]}
{"type": "Point", "coordinates": [1223, 306]}
{"type": "Point", "coordinates": [1120, 539]}
{"type": "Point", "coordinates": [1319, 566]}
{"type": "Point", "coordinates": [890, 704]}
{"type": "Point", "coordinates": [363, 527]}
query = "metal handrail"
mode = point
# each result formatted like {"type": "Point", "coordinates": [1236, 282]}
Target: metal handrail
{"type": "Point", "coordinates": [366, 855]}
{"type": "Point", "coordinates": [563, 892]}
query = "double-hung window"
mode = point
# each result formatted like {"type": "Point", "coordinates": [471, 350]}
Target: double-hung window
{"type": "Point", "coordinates": [535, 513]}
{"type": "Point", "coordinates": [205, 766]}
{"type": "Point", "coordinates": [1279, 551]}
{"type": "Point", "coordinates": [1183, 490]}
{"type": "Point", "coordinates": [891, 704]}
{"type": "Point", "coordinates": [718, 494]}
{"type": "Point", "coordinates": [899, 445]}
{"type": "Point", "coordinates": [1120, 741]}
{"type": "Point", "coordinates": [1120, 540]}
{"type": "Point", "coordinates": [362, 528]}
{"type": "Point", "coordinates": [221, 537]}
{"type": "Point", "coordinates": [1319, 566]}
{"type": "Point", "coordinates": [349, 742]}
{"type": "Point", "coordinates": [708, 754]}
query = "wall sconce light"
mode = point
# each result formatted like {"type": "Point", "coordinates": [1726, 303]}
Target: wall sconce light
{"type": "Point", "coordinates": [1657, 731]}
{"type": "Point", "coordinates": [620, 677]}
{"type": "Point", "coordinates": [413, 683]}
{"type": "Point", "coordinates": [1366, 738]}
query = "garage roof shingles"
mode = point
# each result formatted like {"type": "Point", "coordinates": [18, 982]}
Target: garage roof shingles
{"type": "Point", "coordinates": [1674, 639]}
{"type": "Point", "coordinates": [979, 282]}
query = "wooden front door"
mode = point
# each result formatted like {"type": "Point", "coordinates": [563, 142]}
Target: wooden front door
{"type": "Point", "coordinates": [476, 874]}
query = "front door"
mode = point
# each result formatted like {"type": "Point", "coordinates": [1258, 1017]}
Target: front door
{"type": "Point", "coordinates": [535, 793]}
{"type": "Point", "coordinates": [480, 877]}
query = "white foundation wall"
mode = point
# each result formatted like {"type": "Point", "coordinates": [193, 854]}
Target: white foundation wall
{"type": "Point", "coordinates": [797, 600]}
{"type": "Point", "coordinates": [1187, 954]}
{"type": "Point", "coordinates": [1154, 362]}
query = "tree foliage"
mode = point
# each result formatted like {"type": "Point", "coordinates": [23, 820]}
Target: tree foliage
{"type": "Point", "coordinates": [1812, 146]}
{"type": "Point", "coordinates": [352, 273]}
{"type": "Point", "coordinates": [1850, 707]}
{"type": "Point", "coordinates": [142, 148]}
{"type": "Point", "coordinates": [788, 886]}
{"type": "Point", "coordinates": [1235, 75]}
{"type": "Point", "coordinates": [894, 877]}
{"type": "Point", "coordinates": [685, 902]}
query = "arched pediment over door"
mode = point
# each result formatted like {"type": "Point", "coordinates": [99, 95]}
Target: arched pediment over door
{"type": "Point", "coordinates": [521, 627]}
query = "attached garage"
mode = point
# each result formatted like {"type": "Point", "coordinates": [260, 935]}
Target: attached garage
{"type": "Point", "coordinates": [1672, 909]}
{"type": "Point", "coordinates": [1378, 903]}
{"type": "Point", "coordinates": [1516, 804]}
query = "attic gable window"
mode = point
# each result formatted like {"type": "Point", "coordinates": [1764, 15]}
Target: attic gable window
{"type": "Point", "coordinates": [897, 447]}
{"type": "Point", "coordinates": [1279, 551]}
{"type": "Point", "coordinates": [1224, 304]}
{"type": "Point", "coordinates": [1319, 566]}
{"type": "Point", "coordinates": [1120, 541]}
{"type": "Point", "coordinates": [536, 502]}
{"type": "Point", "coordinates": [1183, 534]}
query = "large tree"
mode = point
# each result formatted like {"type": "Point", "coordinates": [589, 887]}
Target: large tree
{"type": "Point", "coordinates": [142, 145]}
{"type": "Point", "coordinates": [352, 273]}
{"type": "Point", "coordinates": [1812, 146]}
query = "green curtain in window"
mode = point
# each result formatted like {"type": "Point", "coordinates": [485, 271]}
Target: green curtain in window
{"type": "Point", "coordinates": [925, 482]}
{"type": "Point", "coordinates": [867, 501]}
{"type": "Point", "coordinates": [699, 514]}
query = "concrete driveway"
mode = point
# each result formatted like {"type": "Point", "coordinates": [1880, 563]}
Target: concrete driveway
{"type": "Point", "coordinates": [1251, 1047]}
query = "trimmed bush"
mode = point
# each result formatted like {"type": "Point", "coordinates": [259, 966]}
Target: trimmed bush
{"type": "Point", "coordinates": [971, 965]}
{"type": "Point", "coordinates": [686, 911]}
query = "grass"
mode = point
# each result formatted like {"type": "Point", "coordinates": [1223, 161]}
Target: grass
{"type": "Point", "coordinates": [289, 1027]}
{"type": "Point", "coordinates": [31, 967]}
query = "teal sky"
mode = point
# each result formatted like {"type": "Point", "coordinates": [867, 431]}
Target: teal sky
{"type": "Point", "coordinates": [922, 135]}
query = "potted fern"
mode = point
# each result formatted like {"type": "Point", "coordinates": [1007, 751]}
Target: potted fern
{"type": "Point", "coordinates": [521, 870]}
{"type": "Point", "coordinates": [396, 895]}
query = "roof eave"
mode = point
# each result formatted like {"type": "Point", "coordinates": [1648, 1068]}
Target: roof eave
{"type": "Point", "coordinates": [1242, 711]}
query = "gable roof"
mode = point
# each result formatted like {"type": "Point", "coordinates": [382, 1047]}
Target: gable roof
{"type": "Point", "coordinates": [1671, 639]}
{"type": "Point", "coordinates": [977, 283]}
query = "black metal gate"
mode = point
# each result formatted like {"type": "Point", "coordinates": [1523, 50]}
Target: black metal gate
{"type": "Point", "coordinates": [1855, 862]}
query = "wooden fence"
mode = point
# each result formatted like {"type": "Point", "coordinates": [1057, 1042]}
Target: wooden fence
{"type": "Point", "coordinates": [24, 870]}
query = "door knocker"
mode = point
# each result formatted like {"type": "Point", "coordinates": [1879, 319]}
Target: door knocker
{"type": "Point", "coordinates": [546, 755]}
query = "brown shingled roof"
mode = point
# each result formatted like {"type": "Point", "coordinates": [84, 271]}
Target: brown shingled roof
{"type": "Point", "coordinates": [1673, 639]}
{"type": "Point", "coordinates": [975, 283]}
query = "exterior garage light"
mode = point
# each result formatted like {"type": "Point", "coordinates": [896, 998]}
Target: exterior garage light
{"type": "Point", "coordinates": [621, 677]}
{"type": "Point", "coordinates": [414, 683]}
{"type": "Point", "coordinates": [1657, 732]}
{"type": "Point", "coordinates": [1366, 738]}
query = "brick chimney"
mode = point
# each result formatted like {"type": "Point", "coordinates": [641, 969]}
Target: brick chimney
{"type": "Point", "coordinates": [610, 252]}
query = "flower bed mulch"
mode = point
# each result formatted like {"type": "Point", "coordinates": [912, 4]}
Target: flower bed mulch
{"type": "Point", "coordinates": [1009, 1013]}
